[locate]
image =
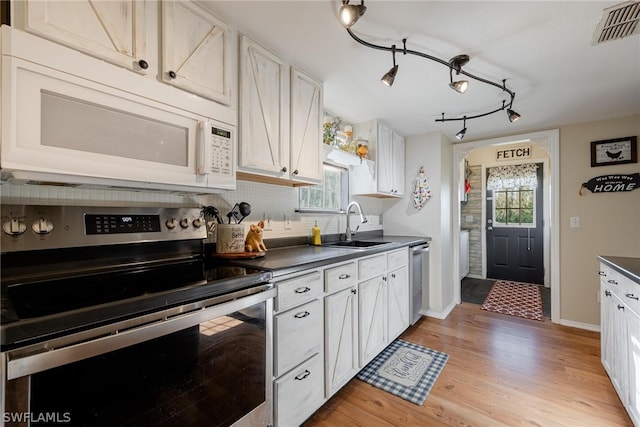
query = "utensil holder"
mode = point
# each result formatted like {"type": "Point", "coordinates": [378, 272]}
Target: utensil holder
{"type": "Point", "coordinates": [230, 238]}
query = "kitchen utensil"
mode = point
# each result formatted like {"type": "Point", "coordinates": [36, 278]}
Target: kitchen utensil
{"type": "Point", "coordinates": [245, 210]}
{"type": "Point", "coordinates": [212, 212]}
{"type": "Point", "coordinates": [239, 212]}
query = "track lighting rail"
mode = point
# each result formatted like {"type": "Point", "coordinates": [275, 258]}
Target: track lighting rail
{"type": "Point", "coordinates": [349, 14]}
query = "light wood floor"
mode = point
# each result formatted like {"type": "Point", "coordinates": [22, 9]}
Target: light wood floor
{"type": "Point", "coordinates": [502, 371]}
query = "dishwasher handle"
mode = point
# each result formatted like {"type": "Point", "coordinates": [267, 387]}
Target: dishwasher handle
{"type": "Point", "coordinates": [420, 249]}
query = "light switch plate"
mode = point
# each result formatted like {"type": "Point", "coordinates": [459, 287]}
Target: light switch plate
{"type": "Point", "coordinates": [574, 222]}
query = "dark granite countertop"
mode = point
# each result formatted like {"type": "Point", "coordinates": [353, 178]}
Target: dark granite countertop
{"type": "Point", "coordinates": [291, 259]}
{"type": "Point", "coordinates": [628, 267]}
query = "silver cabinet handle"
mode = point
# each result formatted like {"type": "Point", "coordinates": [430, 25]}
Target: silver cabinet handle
{"type": "Point", "coordinates": [632, 296]}
{"type": "Point", "coordinates": [302, 315]}
{"type": "Point", "coordinates": [620, 307]}
{"type": "Point", "coordinates": [344, 276]}
{"type": "Point", "coordinates": [602, 273]}
{"type": "Point", "coordinates": [302, 290]}
{"type": "Point", "coordinates": [607, 293]}
{"type": "Point", "coordinates": [613, 282]}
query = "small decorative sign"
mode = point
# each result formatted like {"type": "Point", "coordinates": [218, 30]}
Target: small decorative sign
{"type": "Point", "coordinates": [523, 152]}
{"type": "Point", "coordinates": [612, 183]}
{"type": "Point", "coordinates": [614, 151]}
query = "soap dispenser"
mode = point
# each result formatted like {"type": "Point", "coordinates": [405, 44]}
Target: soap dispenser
{"type": "Point", "coordinates": [315, 235]}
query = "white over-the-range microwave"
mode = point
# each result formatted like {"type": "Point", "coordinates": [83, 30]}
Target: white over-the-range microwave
{"type": "Point", "coordinates": [71, 119]}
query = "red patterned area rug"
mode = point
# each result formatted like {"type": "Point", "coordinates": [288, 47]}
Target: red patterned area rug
{"type": "Point", "coordinates": [515, 299]}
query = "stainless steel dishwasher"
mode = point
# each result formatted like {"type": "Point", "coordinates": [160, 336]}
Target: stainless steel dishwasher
{"type": "Point", "coordinates": [419, 280]}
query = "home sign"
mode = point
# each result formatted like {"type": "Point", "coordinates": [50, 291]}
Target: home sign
{"type": "Point", "coordinates": [612, 183]}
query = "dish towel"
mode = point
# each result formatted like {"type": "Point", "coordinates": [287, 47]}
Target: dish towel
{"type": "Point", "coordinates": [422, 191]}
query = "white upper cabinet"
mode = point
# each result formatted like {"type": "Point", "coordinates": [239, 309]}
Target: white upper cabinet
{"type": "Point", "coordinates": [195, 55]}
{"type": "Point", "coordinates": [264, 142]}
{"type": "Point", "coordinates": [383, 175]}
{"type": "Point", "coordinates": [306, 122]}
{"type": "Point", "coordinates": [118, 31]}
{"type": "Point", "coordinates": [196, 51]}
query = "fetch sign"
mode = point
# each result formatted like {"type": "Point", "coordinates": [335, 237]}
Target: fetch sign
{"type": "Point", "coordinates": [612, 183]}
{"type": "Point", "coordinates": [523, 152]}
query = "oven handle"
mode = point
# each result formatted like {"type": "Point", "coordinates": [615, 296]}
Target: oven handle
{"type": "Point", "coordinates": [165, 322]}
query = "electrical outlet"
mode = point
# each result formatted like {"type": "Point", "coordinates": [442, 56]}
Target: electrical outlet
{"type": "Point", "coordinates": [268, 222]}
{"type": "Point", "coordinates": [574, 222]}
{"type": "Point", "coordinates": [287, 222]}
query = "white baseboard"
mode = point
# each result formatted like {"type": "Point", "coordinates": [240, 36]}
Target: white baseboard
{"type": "Point", "coordinates": [580, 325]}
{"type": "Point", "coordinates": [439, 314]}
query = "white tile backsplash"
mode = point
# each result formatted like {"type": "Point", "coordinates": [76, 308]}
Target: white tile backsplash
{"type": "Point", "coordinates": [265, 199]}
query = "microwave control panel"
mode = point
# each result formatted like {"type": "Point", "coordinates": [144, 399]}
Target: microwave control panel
{"type": "Point", "coordinates": [221, 154]}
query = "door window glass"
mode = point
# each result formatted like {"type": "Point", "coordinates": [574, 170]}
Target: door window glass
{"type": "Point", "coordinates": [514, 207]}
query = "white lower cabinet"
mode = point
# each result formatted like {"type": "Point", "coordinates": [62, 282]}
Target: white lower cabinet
{"type": "Point", "coordinates": [329, 323]}
{"type": "Point", "coordinates": [620, 337]}
{"type": "Point", "coordinates": [299, 393]}
{"type": "Point", "coordinates": [298, 347]}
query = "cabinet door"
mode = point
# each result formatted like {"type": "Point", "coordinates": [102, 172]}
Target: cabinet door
{"type": "Point", "coordinates": [398, 302]}
{"type": "Point", "coordinates": [196, 51]}
{"type": "Point", "coordinates": [264, 143]}
{"type": "Point", "coordinates": [398, 165]}
{"type": "Point", "coordinates": [372, 308]}
{"type": "Point", "coordinates": [620, 347]}
{"type": "Point", "coordinates": [633, 326]}
{"type": "Point", "coordinates": [341, 339]}
{"type": "Point", "coordinates": [384, 159]}
{"type": "Point", "coordinates": [306, 123]}
{"type": "Point", "coordinates": [120, 31]}
{"type": "Point", "coordinates": [607, 328]}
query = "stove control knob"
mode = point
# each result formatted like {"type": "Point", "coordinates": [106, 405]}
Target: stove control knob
{"type": "Point", "coordinates": [14, 227]}
{"type": "Point", "coordinates": [171, 223]}
{"type": "Point", "coordinates": [42, 226]}
{"type": "Point", "coordinates": [184, 223]}
{"type": "Point", "coordinates": [198, 222]}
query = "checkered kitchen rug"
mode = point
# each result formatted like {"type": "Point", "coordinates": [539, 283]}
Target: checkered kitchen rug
{"type": "Point", "coordinates": [406, 370]}
{"type": "Point", "coordinates": [515, 299]}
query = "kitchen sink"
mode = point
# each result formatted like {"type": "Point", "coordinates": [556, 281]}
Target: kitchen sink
{"type": "Point", "coordinates": [358, 244]}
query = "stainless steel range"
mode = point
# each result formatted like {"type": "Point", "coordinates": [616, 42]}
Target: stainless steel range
{"type": "Point", "coordinates": [112, 316]}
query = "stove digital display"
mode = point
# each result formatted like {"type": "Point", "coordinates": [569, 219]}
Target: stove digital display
{"type": "Point", "coordinates": [117, 224]}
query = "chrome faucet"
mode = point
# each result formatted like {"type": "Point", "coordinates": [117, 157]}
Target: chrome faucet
{"type": "Point", "coordinates": [348, 233]}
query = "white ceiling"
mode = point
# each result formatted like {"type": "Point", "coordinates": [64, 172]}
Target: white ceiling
{"type": "Point", "coordinates": [542, 48]}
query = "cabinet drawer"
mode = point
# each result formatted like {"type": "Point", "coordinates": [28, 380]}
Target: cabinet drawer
{"type": "Point", "coordinates": [298, 290]}
{"type": "Point", "coordinates": [372, 267]}
{"type": "Point", "coordinates": [397, 259]}
{"type": "Point", "coordinates": [631, 294]}
{"type": "Point", "coordinates": [340, 277]}
{"type": "Point", "coordinates": [299, 393]}
{"type": "Point", "coordinates": [298, 335]}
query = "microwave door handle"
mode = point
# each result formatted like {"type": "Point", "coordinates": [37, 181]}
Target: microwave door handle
{"type": "Point", "coordinates": [204, 150]}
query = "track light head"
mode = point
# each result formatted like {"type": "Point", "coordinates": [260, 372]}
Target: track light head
{"type": "Point", "coordinates": [350, 13]}
{"type": "Point", "coordinates": [460, 134]}
{"type": "Point", "coordinates": [460, 86]}
{"type": "Point", "coordinates": [513, 116]}
{"type": "Point", "coordinates": [458, 61]}
{"type": "Point", "coordinates": [390, 76]}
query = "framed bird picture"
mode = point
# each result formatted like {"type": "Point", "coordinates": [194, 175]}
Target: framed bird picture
{"type": "Point", "coordinates": [614, 151]}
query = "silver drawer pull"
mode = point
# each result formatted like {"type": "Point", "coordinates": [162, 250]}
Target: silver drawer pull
{"type": "Point", "coordinates": [301, 315]}
{"type": "Point", "coordinates": [613, 282]}
{"type": "Point", "coordinates": [303, 375]}
{"type": "Point", "coordinates": [302, 290]}
{"type": "Point", "coordinates": [602, 273]}
{"type": "Point", "coordinates": [344, 276]}
{"type": "Point", "coordinates": [620, 307]}
{"type": "Point", "coordinates": [632, 296]}
{"type": "Point", "coordinates": [607, 293]}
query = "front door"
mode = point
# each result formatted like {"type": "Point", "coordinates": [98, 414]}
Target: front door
{"type": "Point", "coordinates": [514, 232]}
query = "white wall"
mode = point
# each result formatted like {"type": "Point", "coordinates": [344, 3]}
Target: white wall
{"type": "Point", "coordinates": [433, 151]}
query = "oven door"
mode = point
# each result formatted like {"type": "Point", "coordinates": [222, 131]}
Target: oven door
{"type": "Point", "coordinates": [209, 366]}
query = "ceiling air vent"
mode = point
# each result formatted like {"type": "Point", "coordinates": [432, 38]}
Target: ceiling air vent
{"type": "Point", "coordinates": [621, 20]}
